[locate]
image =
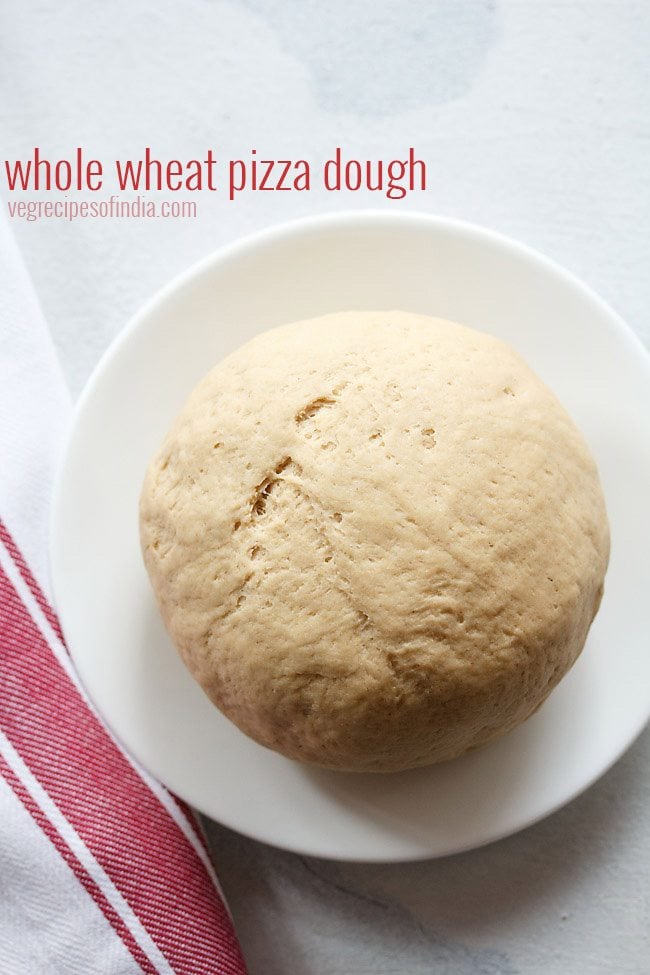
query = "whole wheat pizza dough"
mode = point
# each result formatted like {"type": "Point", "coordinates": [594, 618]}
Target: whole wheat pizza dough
{"type": "Point", "coordinates": [376, 539]}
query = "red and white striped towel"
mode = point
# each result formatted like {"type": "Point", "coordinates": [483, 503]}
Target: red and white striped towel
{"type": "Point", "coordinates": [102, 871]}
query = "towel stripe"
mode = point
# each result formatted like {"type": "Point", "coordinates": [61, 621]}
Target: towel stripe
{"type": "Point", "coordinates": [45, 618]}
{"type": "Point", "coordinates": [142, 850]}
{"type": "Point", "coordinates": [32, 584]}
{"type": "Point", "coordinates": [76, 866]}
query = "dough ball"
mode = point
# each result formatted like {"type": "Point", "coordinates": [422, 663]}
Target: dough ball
{"type": "Point", "coordinates": [376, 539]}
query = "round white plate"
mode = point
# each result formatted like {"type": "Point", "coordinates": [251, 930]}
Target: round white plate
{"type": "Point", "coordinates": [125, 659]}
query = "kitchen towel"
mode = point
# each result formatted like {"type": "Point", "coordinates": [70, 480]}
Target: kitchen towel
{"type": "Point", "coordinates": [102, 870]}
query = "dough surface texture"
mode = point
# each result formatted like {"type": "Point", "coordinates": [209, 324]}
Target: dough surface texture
{"type": "Point", "coordinates": [376, 539]}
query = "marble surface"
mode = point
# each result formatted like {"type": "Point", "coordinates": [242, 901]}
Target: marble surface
{"type": "Point", "coordinates": [533, 120]}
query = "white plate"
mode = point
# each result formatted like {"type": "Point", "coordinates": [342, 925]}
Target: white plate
{"type": "Point", "coordinates": [125, 659]}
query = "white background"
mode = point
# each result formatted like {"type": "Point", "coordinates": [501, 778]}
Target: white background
{"type": "Point", "coordinates": [533, 118]}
